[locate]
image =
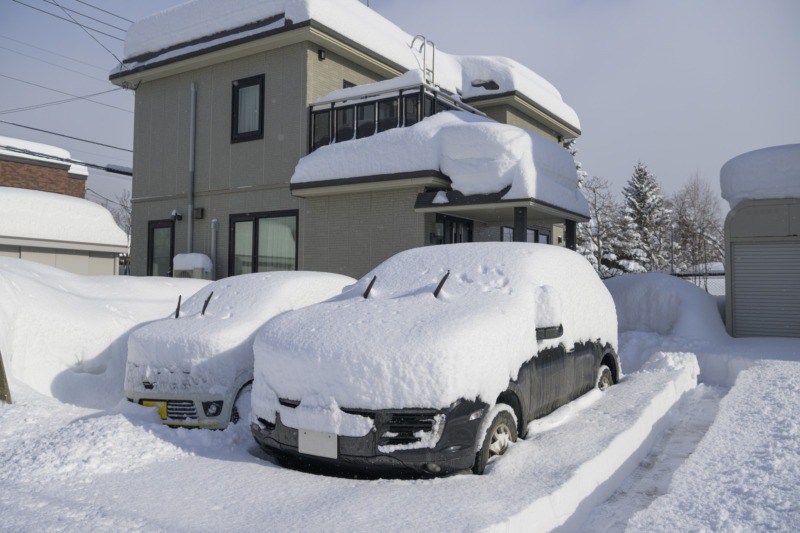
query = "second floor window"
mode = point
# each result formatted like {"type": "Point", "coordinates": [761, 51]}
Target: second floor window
{"type": "Point", "coordinates": [247, 120]}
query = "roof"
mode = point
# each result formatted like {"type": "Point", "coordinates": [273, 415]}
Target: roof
{"type": "Point", "coordinates": [769, 173]}
{"type": "Point", "coordinates": [204, 25]}
{"type": "Point", "coordinates": [37, 148]}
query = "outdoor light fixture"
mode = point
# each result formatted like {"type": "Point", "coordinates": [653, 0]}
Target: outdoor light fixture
{"type": "Point", "coordinates": [321, 54]}
{"type": "Point", "coordinates": [176, 215]}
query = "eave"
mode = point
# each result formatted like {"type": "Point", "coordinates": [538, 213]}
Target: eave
{"type": "Point", "coordinates": [528, 107]}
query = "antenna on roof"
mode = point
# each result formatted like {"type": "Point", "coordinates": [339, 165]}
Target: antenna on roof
{"type": "Point", "coordinates": [178, 309]}
{"type": "Point", "coordinates": [205, 304]}
{"type": "Point", "coordinates": [440, 285]}
{"type": "Point", "coordinates": [369, 287]}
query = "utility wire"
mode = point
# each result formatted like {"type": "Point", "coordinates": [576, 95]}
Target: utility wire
{"type": "Point", "coordinates": [66, 160]}
{"type": "Point", "coordinates": [54, 64]}
{"type": "Point", "coordinates": [109, 200]}
{"type": "Point", "coordinates": [102, 69]}
{"type": "Point", "coordinates": [66, 94]}
{"type": "Point", "coordinates": [73, 21]}
{"type": "Point", "coordinates": [62, 135]}
{"type": "Point", "coordinates": [104, 11]}
{"type": "Point", "coordinates": [89, 34]}
{"type": "Point", "coordinates": [51, 2]}
{"type": "Point", "coordinates": [57, 102]}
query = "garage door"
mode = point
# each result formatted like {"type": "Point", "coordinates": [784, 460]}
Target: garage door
{"type": "Point", "coordinates": [766, 289]}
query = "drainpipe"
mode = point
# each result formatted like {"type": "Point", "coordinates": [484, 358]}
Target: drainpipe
{"type": "Point", "coordinates": [192, 136]}
{"type": "Point", "coordinates": [214, 230]}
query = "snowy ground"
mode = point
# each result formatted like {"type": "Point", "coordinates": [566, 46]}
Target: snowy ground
{"type": "Point", "coordinates": [657, 452]}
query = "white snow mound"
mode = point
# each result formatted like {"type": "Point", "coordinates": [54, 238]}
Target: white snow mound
{"type": "Point", "coordinates": [769, 173]}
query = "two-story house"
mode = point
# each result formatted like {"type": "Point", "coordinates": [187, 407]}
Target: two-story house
{"type": "Point", "coordinates": [301, 135]}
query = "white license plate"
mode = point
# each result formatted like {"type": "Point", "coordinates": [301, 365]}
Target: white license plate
{"type": "Point", "coordinates": [317, 443]}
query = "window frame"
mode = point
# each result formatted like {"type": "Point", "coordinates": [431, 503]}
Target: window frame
{"type": "Point", "coordinates": [236, 86]}
{"type": "Point", "coordinates": [254, 218]}
{"type": "Point", "coordinates": [160, 224]}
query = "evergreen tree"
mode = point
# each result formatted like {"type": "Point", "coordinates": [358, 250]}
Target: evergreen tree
{"type": "Point", "coordinates": [643, 241]}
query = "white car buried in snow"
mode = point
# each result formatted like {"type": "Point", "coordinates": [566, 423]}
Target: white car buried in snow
{"type": "Point", "coordinates": [436, 360]}
{"type": "Point", "coordinates": [197, 365]}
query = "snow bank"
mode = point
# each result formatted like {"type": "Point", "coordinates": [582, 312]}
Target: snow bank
{"type": "Point", "coordinates": [479, 155]}
{"type": "Point", "coordinates": [46, 149]}
{"type": "Point", "coordinates": [29, 214]}
{"type": "Point", "coordinates": [458, 74]}
{"type": "Point", "coordinates": [666, 305]}
{"type": "Point", "coordinates": [762, 174]}
{"type": "Point", "coordinates": [403, 347]}
{"type": "Point", "coordinates": [212, 350]}
{"type": "Point", "coordinates": [65, 335]}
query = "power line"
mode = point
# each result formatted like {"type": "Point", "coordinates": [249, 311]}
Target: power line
{"type": "Point", "coordinates": [66, 94]}
{"type": "Point", "coordinates": [71, 21]}
{"type": "Point", "coordinates": [53, 64]}
{"type": "Point", "coordinates": [86, 16]}
{"type": "Point", "coordinates": [107, 168]}
{"type": "Point", "coordinates": [104, 11]}
{"type": "Point", "coordinates": [67, 136]}
{"type": "Point", "coordinates": [57, 102]}
{"type": "Point", "coordinates": [102, 69]}
{"type": "Point", "coordinates": [89, 34]}
{"type": "Point", "coordinates": [104, 198]}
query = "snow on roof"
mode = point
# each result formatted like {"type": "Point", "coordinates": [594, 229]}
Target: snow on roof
{"type": "Point", "coordinates": [479, 155]}
{"type": "Point", "coordinates": [769, 173]}
{"type": "Point", "coordinates": [29, 214]}
{"type": "Point", "coordinates": [78, 170]}
{"type": "Point", "coordinates": [186, 23]}
{"type": "Point", "coordinates": [403, 347]}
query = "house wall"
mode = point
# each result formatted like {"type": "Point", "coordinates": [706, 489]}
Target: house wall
{"type": "Point", "coordinates": [41, 177]}
{"type": "Point", "coordinates": [508, 115]}
{"type": "Point", "coordinates": [76, 261]}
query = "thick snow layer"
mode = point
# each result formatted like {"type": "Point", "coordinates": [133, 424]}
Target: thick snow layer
{"type": "Point", "coordinates": [479, 155]}
{"type": "Point", "coordinates": [403, 347]}
{"type": "Point", "coordinates": [29, 214]}
{"type": "Point", "coordinates": [192, 261]}
{"type": "Point", "coordinates": [209, 350]}
{"type": "Point", "coordinates": [762, 174]}
{"type": "Point", "coordinates": [66, 335]}
{"type": "Point", "coordinates": [354, 20]}
{"type": "Point", "coordinates": [649, 454]}
{"type": "Point", "coordinates": [46, 149]}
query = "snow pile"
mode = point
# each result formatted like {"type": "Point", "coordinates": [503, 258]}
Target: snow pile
{"type": "Point", "coordinates": [212, 349]}
{"type": "Point", "coordinates": [762, 174]}
{"type": "Point", "coordinates": [402, 347]}
{"type": "Point", "coordinates": [45, 149]}
{"type": "Point", "coordinates": [29, 214]}
{"type": "Point", "coordinates": [180, 25]}
{"type": "Point", "coordinates": [192, 261]}
{"type": "Point", "coordinates": [666, 305]}
{"type": "Point", "coordinates": [479, 155]}
{"type": "Point", "coordinates": [65, 335]}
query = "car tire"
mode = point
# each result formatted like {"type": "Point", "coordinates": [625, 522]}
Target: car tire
{"type": "Point", "coordinates": [604, 378]}
{"type": "Point", "coordinates": [501, 434]}
{"type": "Point", "coordinates": [241, 406]}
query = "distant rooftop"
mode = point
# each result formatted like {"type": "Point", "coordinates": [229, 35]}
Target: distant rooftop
{"type": "Point", "coordinates": [29, 148]}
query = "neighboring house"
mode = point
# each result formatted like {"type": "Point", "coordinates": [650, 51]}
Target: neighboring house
{"type": "Point", "coordinates": [762, 241]}
{"type": "Point", "coordinates": [43, 216]}
{"type": "Point", "coordinates": [241, 118]}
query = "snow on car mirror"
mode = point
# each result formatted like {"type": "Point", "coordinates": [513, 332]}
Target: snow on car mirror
{"type": "Point", "coordinates": [548, 313]}
{"type": "Point", "coordinates": [369, 287]}
{"type": "Point", "coordinates": [440, 285]}
{"type": "Point", "coordinates": [205, 304]}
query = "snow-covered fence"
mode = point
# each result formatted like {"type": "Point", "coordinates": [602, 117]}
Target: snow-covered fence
{"type": "Point", "coordinates": [712, 283]}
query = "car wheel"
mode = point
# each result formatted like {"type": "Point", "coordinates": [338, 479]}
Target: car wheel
{"type": "Point", "coordinates": [241, 407]}
{"type": "Point", "coordinates": [501, 434]}
{"type": "Point", "coordinates": [604, 377]}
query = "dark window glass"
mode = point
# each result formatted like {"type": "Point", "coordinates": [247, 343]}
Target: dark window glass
{"type": "Point", "coordinates": [387, 114]}
{"type": "Point", "coordinates": [322, 129]}
{"type": "Point", "coordinates": [365, 120]}
{"type": "Point", "coordinates": [411, 109]}
{"type": "Point", "coordinates": [263, 242]}
{"type": "Point", "coordinates": [429, 107]}
{"type": "Point", "coordinates": [160, 247]}
{"type": "Point", "coordinates": [247, 120]}
{"type": "Point", "coordinates": [344, 124]}
{"type": "Point", "coordinates": [455, 229]}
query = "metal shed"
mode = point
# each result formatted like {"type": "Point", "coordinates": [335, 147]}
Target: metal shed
{"type": "Point", "coordinates": [762, 240]}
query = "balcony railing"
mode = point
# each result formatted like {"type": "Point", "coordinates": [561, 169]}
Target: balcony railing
{"type": "Point", "coordinates": [355, 118]}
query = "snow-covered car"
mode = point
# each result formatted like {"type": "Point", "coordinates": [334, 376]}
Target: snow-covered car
{"type": "Point", "coordinates": [196, 366]}
{"type": "Point", "coordinates": [436, 360]}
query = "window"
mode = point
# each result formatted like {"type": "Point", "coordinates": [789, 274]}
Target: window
{"type": "Point", "coordinates": [345, 125]}
{"type": "Point", "coordinates": [263, 242]}
{"type": "Point", "coordinates": [410, 109]}
{"type": "Point", "coordinates": [454, 230]}
{"type": "Point", "coordinates": [160, 247]}
{"type": "Point", "coordinates": [387, 114]}
{"type": "Point", "coordinates": [365, 120]}
{"type": "Point", "coordinates": [321, 129]}
{"type": "Point", "coordinates": [533, 234]}
{"type": "Point", "coordinates": [247, 122]}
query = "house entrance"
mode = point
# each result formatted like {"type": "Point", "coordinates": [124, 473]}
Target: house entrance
{"type": "Point", "coordinates": [455, 229]}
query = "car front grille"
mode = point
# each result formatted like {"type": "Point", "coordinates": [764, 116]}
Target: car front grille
{"type": "Point", "coordinates": [181, 409]}
{"type": "Point", "coordinates": [405, 427]}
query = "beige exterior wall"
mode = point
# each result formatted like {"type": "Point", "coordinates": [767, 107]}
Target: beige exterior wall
{"type": "Point", "coordinates": [75, 261]}
{"type": "Point", "coordinates": [508, 115]}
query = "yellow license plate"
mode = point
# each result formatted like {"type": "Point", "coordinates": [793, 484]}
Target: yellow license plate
{"type": "Point", "coordinates": [162, 407]}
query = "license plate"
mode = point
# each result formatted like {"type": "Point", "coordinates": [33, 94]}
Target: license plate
{"type": "Point", "coordinates": [162, 407]}
{"type": "Point", "coordinates": [317, 443]}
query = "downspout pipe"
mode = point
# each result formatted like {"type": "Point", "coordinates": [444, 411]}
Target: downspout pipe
{"type": "Point", "coordinates": [214, 230]}
{"type": "Point", "coordinates": [192, 138]}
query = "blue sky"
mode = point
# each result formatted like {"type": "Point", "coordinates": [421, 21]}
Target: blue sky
{"type": "Point", "coordinates": [682, 85]}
